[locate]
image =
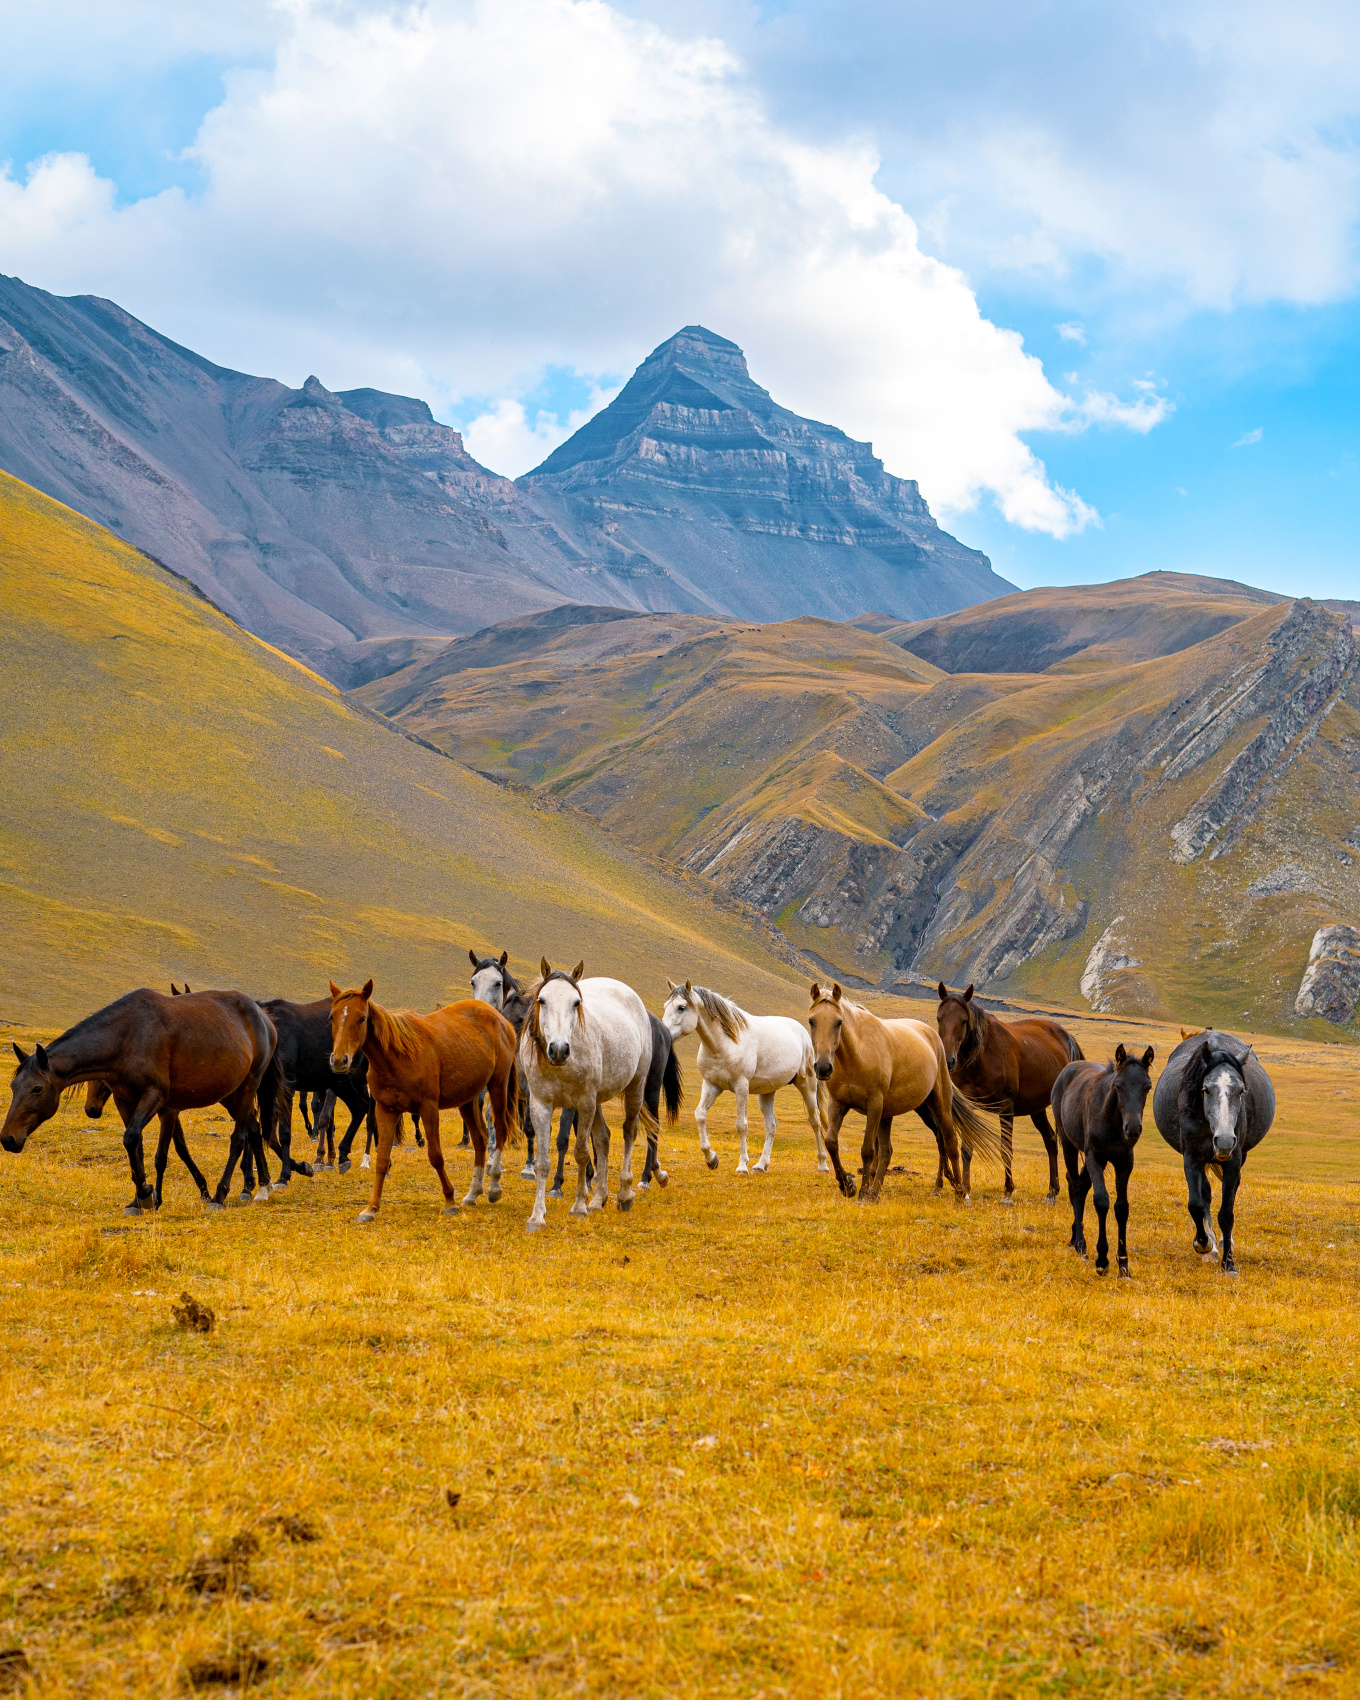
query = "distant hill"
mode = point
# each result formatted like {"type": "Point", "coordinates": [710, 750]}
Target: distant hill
{"type": "Point", "coordinates": [181, 801]}
{"type": "Point", "coordinates": [340, 525]}
{"type": "Point", "coordinates": [1160, 835]}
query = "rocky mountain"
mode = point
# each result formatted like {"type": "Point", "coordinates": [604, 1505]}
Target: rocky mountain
{"type": "Point", "coordinates": [1159, 836]}
{"type": "Point", "coordinates": [346, 528]}
{"type": "Point", "coordinates": [693, 474]}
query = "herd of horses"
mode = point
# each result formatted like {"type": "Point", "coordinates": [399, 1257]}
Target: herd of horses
{"type": "Point", "coordinates": [512, 1057]}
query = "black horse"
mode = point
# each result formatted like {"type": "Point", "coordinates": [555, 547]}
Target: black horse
{"type": "Point", "coordinates": [1213, 1103]}
{"type": "Point", "coordinates": [663, 1076]}
{"type": "Point", "coordinates": [304, 1052]}
{"type": "Point", "coordinates": [1098, 1112]}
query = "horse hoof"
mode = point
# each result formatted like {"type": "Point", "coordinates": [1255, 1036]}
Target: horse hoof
{"type": "Point", "coordinates": [344, 1165]}
{"type": "Point", "coordinates": [711, 1158]}
{"type": "Point", "coordinates": [1102, 1269]}
{"type": "Point", "coordinates": [595, 1205]}
{"type": "Point", "coordinates": [533, 1227]}
{"type": "Point", "coordinates": [579, 1209]}
{"type": "Point", "coordinates": [645, 1184]}
{"type": "Point", "coordinates": [304, 1169]}
{"type": "Point", "coordinates": [363, 1161]}
{"type": "Point", "coordinates": [555, 1192]}
{"type": "Point", "coordinates": [493, 1197]}
{"type": "Point", "coordinates": [528, 1173]}
{"type": "Point", "coordinates": [1007, 1200]}
{"type": "Point", "coordinates": [449, 1210]}
{"type": "Point", "coordinates": [263, 1195]}
{"type": "Point", "coordinates": [623, 1203]}
{"type": "Point", "coordinates": [1050, 1198]}
{"type": "Point", "coordinates": [823, 1168]}
{"type": "Point", "coordinates": [133, 1209]}
{"type": "Point", "coordinates": [367, 1215]}
{"type": "Point", "coordinates": [213, 1204]}
{"type": "Point", "coordinates": [1229, 1270]}
{"type": "Point", "coordinates": [1125, 1275]}
{"type": "Point", "coordinates": [761, 1168]}
{"type": "Point", "coordinates": [742, 1169]}
{"type": "Point", "coordinates": [661, 1177]}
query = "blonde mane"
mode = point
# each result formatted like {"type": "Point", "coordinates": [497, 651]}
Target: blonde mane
{"type": "Point", "coordinates": [394, 1029]}
{"type": "Point", "coordinates": [727, 1015]}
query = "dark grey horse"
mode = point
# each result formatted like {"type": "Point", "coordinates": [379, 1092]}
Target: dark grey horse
{"type": "Point", "coordinates": [1213, 1103]}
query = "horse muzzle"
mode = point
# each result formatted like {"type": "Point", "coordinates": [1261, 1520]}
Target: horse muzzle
{"type": "Point", "coordinates": [339, 1065]}
{"type": "Point", "coordinates": [13, 1142]}
{"type": "Point", "coordinates": [822, 1070]}
{"type": "Point", "coordinates": [558, 1053]}
{"type": "Point", "coordinates": [94, 1113]}
{"type": "Point", "coordinates": [952, 1062]}
{"type": "Point", "coordinates": [1224, 1145]}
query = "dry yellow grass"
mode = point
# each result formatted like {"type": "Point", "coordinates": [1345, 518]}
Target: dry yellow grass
{"type": "Point", "coordinates": [748, 1440]}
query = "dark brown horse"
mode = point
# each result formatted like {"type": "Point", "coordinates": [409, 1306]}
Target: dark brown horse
{"type": "Point", "coordinates": [159, 1055]}
{"type": "Point", "coordinates": [427, 1063]}
{"type": "Point", "coordinates": [1009, 1066]}
{"type": "Point", "coordinates": [1099, 1111]}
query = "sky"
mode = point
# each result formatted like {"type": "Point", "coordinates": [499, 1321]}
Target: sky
{"type": "Point", "coordinates": [1088, 273]}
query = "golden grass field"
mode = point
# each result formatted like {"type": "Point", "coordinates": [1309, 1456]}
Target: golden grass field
{"type": "Point", "coordinates": [750, 1439]}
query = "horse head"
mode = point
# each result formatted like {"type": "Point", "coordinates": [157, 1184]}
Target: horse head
{"type": "Point", "coordinates": [489, 978]}
{"type": "Point", "coordinates": [954, 1018]}
{"type": "Point", "coordinates": [349, 1025]}
{"type": "Point", "coordinates": [1223, 1093]}
{"type": "Point", "coordinates": [826, 1020]}
{"type": "Point", "coordinates": [34, 1097]}
{"type": "Point", "coordinates": [1132, 1083]}
{"type": "Point", "coordinates": [97, 1094]}
{"type": "Point", "coordinates": [557, 1011]}
{"type": "Point", "coordinates": [679, 1014]}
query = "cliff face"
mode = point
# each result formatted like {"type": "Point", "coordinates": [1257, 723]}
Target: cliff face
{"type": "Point", "coordinates": [333, 524]}
{"type": "Point", "coordinates": [694, 473]}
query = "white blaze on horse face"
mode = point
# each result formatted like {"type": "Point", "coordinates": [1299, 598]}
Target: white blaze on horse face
{"type": "Point", "coordinates": [678, 1014]}
{"type": "Point", "coordinates": [340, 1058]}
{"type": "Point", "coordinates": [1220, 1106]}
{"type": "Point", "coordinates": [489, 987]}
{"type": "Point", "coordinates": [559, 1004]}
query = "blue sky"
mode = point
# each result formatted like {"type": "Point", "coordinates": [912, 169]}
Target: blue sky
{"type": "Point", "coordinates": [504, 207]}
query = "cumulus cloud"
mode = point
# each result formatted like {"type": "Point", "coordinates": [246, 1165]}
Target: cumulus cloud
{"type": "Point", "coordinates": [1248, 438]}
{"type": "Point", "coordinates": [449, 198]}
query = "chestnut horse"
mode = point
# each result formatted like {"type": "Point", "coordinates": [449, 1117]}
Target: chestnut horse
{"type": "Point", "coordinates": [1009, 1066]}
{"type": "Point", "coordinates": [160, 1055]}
{"type": "Point", "coordinates": [425, 1064]}
{"type": "Point", "coordinates": [884, 1069]}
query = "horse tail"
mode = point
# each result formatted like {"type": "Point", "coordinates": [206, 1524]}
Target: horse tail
{"type": "Point", "coordinates": [269, 1096]}
{"type": "Point", "coordinates": [648, 1126]}
{"type": "Point", "coordinates": [512, 1122]}
{"type": "Point", "coordinates": [979, 1136]}
{"type": "Point", "coordinates": [673, 1085]}
{"type": "Point", "coordinates": [1074, 1050]}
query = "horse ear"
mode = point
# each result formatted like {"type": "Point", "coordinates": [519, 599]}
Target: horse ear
{"type": "Point", "coordinates": [943, 991]}
{"type": "Point", "coordinates": [836, 993]}
{"type": "Point", "coordinates": [1148, 1055]}
{"type": "Point", "coordinates": [368, 989]}
{"type": "Point", "coordinates": [968, 995]}
{"type": "Point", "coordinates": [816, 992]}
{"type": "Point", "coordinates": [21, 1054]}
{"type": "Point", "coordinates": [689, 989]}
{"type": "Point", "coordinates": [1184, 1034]}
{"type": "Point", "coordinates": [1206, 1050]}
{"type": "Point", "coordinates": [671, 985]}
{"type": "Point", "coordinates": [40, 1057]}
{"type": "Point", "coordinates": [335, 990]}
{"type": "Point", "coordinates": [577, 971]}
{"type": "Point", "coordinates": [505, 957]}
{"type": "Point", "coordinates": [1120, 1056]}
{"type": "Point", "coordinates": [544, 968]}
{"type": "Point", "coordinates": [473, 958]}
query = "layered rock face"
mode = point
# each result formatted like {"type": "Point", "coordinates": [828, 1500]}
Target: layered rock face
{"type": "Point", "coordinates": [1331, 982]}
{"type": "Point", "coordinates": [336, 524]}
{"type": "Point", "coordinates": [694, 473]}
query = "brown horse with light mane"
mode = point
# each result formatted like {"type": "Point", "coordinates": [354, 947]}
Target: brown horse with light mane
{"type": "Point", "coordinates": [425, 1064]}
{"type": "Point", "coordinates": [884, 1069]}
{"type": "Point", "coordinates": [1008, 1065]}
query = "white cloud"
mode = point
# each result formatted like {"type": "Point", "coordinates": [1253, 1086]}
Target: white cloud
{"type": "Point", "coordinates": [1247, 438]}
{"type": "Point", "coordinates": [1071, 331]}
{"type": "Point", "coordinates": [449, 198]}
{"type": "Point", "coordinates": [502, 436]}
{"type": "Point", "coordinates": [1095, 407]}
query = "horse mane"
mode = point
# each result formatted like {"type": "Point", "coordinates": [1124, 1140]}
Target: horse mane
{"type": "Point", "coordinates": [731, 1019]}
{"type": "Point", "coordinates": [978, 1023]}
{"type": "Point", "coordinates": [395, 1030]}
{"type": "Point", "coordinates": [532, 1026]}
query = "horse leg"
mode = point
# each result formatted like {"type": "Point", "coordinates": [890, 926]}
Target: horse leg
{"type": "Point", "coordinates": [807, 1087]}
{"type": "Point", "coordinates": [1077, 1185]}
{"type": "Point", "coordinates": [868, 1155]}
{"type": "Point", "coordinates": [387, 1132]}
{"type": "Point", "coordinates": [360, 1106]}
{"type": "Point", "coordinates": [1232, 1177]}
{"type": "Point", "coordinates": [937, 1113]}
{"type": "Point", "coordinates": [540, 1116]}
{"type": "Point", "coordinates": [499, 1095]}
{"type": "Point", "coordinates": [884, 1155]}
{"type": "Point", "coordinates": [762, 1163]}
{"type": "Point", "coordinates": [434, 1150]}
{"type": "Point", "coordinates": [599, 1144]}
{"type": "Point", "coordinates": [701, 1109]}
{"type": "Point", "coordinates": [833, 1147]}
{"type": "Point", "coordinates": [1095, 1169]}
{"type": "Point", "coordinates": [254, 1138]}
{"type": "Point", "coordinates": [1007, 1119]}
{"type": "Point", "coordinates": [584, 1119]}
{"type": "Point", "coordinates": [147, 1106]}
{"type": "Point", "coordinates": [632, 1103]}
{"type": "Point", "coordinates": [166, 1133]}
{"type": "Point", "coordinates": [182, 1148]}
{"type": "Point", "coordinates": [529, 1171]}
{"type": "Point", "coordinates": [1123, 1168]}
{"type": "Point", "coordinates": [742, 1093]}
{"type": "Point", "coordinates": [476, 1131]}
{"type": "Point", "coordinates": [1040, 1120]}
{"type": "Point", "coordinates": [564, 1128]}
{"type": "Point", "coordinates": [1200, 1204]}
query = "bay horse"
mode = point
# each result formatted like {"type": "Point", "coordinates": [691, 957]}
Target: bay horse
{"type": "Point", "coordinates": [884, 1069]}
{"type": "Point", "coordinates": [741, 1054]}
{"type": "Point", "coordinates": [663, 1076]}
{"type": "Point", "coordinates": [1099, 1111]}
{"type": "Point", "coordinates": [160, 1055]}
{"type": "Point", "coordinates": [424, 1064]}
{"type": "Point", "coordinates": [1009, 1066]}
{"type": "Point", "coordinates": [586, 1041]}
{"type": "Point", "coordinates": [1214, 1102]}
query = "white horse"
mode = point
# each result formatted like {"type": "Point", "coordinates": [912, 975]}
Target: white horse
{"type": "Point", "coordinates": [741, 1054]}
{"type": "Point", "coordinates": [585, 1042]}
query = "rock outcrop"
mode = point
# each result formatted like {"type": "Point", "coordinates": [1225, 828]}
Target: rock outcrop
{"type": "Point", "coordinates": [1109, 959]}
{"type": "Point", "coordinates": [1331, 982]}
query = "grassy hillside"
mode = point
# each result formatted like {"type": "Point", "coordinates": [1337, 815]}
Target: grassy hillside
{"type": "Point", "coordinates": [180, 801]}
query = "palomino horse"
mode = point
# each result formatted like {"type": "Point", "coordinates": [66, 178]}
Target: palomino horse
{"type": "Point", "coordinates": [1008, 1065]}
{"type": "Point", "coordinates": [1213, 1103]}
{"type": "Point", "coordinates": [585, 1042]}
{"type": "Point", "coordinates": [425, 1064]}
{"type": "Point", "coordinates": [159, 1055]}
{"type": "Point", "coordinates": [1099, 1111]}
{"type": "Point", "coordinates": [741, 1054]}
{"type": "Point", "coordinates": [884, 1069]}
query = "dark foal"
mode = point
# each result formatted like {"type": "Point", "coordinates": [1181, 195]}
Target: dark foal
{"type": "Point", "coordinates": [1098, 1108]}
{"type": "Point", "coordinates": [1009, 1066]}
